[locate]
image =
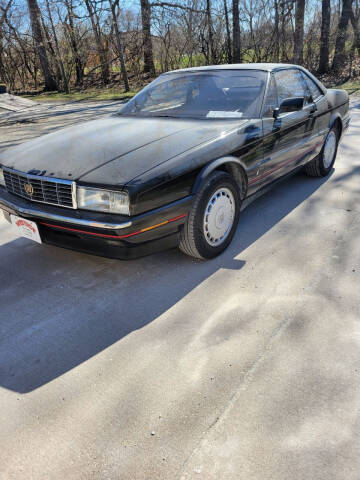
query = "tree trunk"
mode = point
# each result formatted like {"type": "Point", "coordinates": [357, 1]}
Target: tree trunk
{"type": "Point", "coordinates": [228, 36]}
{"type": "Point", "coordinates": [79, 68]}
{"type": "Point", "coordinates": [3, 18]}
{"type": "Point", "coordinates": [339, 56]}
{"type": "Point", "coordinates": [3, 73]}
{"type": "Point", "coordinates": [325, 35]}
{"type": "Point", "coordinates": [299, 32]}
{"type": "Point", "coordinates": [119, 44]}
{"type": "Point", "coordinates": [57, 51]}
{"type": "Point", "coordinates": [50, 49]}
{"type": "Point", "coordinates": [276, 31]}
{"type": "Point", "coordinates": [355, 25]}
{"type": "Point", "coordinates": [146, 31]}
{"type": "Point", "coordinates": [236, 33]}
{"type": "Point", "coordinates": [210, 31]}
{"type": "Point", "coordinates": [100, 46]}
{"type": "Point", "coordinates": [50, 83]}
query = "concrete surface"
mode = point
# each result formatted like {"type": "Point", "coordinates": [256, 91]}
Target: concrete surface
{"type": "Point", "coordinates": [17, 127]}
{"type": "Point", "coordinates": [243, 367]}
{"type": "Point", "coordinates": [14, 103]}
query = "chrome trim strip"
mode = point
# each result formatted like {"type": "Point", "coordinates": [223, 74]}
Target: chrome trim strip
{"type": "Point", "coordinates": [73, 194]}
{"type": "Point", "coordinates": [60, 218]}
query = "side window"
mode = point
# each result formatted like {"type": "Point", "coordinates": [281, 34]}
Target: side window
{"type": "Point", "coordinates": [290, 83]}
{"type": "Point", "coordinates": [271, 99]}
{"type": "Point", "coordinates": [314, 89]}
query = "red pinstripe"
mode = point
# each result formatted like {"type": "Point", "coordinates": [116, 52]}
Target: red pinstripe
{"type": "Point", "coordinates": [104, 235]}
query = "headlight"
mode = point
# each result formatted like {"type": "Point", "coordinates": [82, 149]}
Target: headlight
{"type": "Point", "coordinates": [2, 179]}
{"type": "Point", "coordinates": [103, 200]}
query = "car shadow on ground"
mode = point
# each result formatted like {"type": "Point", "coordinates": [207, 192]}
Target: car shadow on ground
{"type": "Point", "coordinates": [59, 308]}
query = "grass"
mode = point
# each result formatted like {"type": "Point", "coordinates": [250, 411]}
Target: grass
{"type": "Point", "coordinates": [91, 94]}
{"type": "Point", "coordinates": [351, 86]}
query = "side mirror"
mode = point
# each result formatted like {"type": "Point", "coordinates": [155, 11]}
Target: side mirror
{"type": "Point", "coordinates": [293, 104]}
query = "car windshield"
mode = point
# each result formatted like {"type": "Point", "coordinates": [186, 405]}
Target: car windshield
{"type": "Point", "coordinates": [204, 94]}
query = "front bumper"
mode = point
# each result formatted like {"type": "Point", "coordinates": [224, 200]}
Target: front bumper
{"type": "Point", "coordinates": [106, 235]}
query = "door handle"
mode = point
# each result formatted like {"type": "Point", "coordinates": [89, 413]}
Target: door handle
{"type": "Point", "coordinates": [313, 109]}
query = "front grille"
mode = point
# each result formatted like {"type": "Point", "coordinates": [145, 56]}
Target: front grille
{"type": "Point", "coordinates": [39, 189]}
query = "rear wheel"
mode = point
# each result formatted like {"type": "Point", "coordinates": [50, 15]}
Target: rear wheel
{"type": "Point", "coordinates": [323, 163]}
{"type": "Point", "coordinates": [212, 221]}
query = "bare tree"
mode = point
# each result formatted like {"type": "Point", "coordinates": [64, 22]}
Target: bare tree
{"type": "Point", "coordinates": [34, 12]}
{"type": "Point", "coordinates": [339, 55]}
{"type": "Point", "coordinates": [325, 36]}
{"type": "Point", "coordinates": [149, 66]}
{"type": "Point", "coordinates": [58, 57]}
{"type": "Point", "coordinates": [236, 57]}
{"type": "Point", "coordinates": [276, 31]}
{"type": "Point", "coordinates": [354, 18]}
{"type": "Point", "coordinates": [4, 11]}
{"type": "Point", "coordinates": [70, 28]}
{"type": "Point", "coordinates": [210, 32]}
{"type": "Point", "coordinates": [299, 32]}
{"type": "Point", "coordinates": [115, 5]}
{"type": "Point", "coordinates": [73, 43]}
{"type": "Point", "coordinates": [101, 45]}
{"type": "Point", "coordinates": [228, 36]}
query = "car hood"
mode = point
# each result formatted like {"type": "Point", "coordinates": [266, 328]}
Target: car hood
{"type": "Point", "coordinates": [135, 144]}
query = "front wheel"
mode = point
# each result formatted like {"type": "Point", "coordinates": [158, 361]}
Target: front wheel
{"type": "Point", "coordinates": [212, 221]}
{"type": "Point", "coordinates": [323, 163]}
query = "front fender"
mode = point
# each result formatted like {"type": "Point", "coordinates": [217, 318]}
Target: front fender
{"type": "Point", "coordinates": [334, 117]}
{"type": "Point", "coordinates": [215, 164]}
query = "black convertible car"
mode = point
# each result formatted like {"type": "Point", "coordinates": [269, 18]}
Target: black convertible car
{"type": "Point", "coordinates": [177, 164]}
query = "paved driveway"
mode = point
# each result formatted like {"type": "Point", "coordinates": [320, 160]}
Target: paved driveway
{"type": "Point", "coordinates": [243, 367]}
{"type": "Point", "coordinates": [30, 122]}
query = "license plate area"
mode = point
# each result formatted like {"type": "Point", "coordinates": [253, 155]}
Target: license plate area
{"type": "Point", "coordinates": [25, 228]}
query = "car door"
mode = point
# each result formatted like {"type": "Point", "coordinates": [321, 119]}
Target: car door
{"type": "Point", "coordinates": [322, 114]}
{"type": "Point", "coordinates": [287, 138]}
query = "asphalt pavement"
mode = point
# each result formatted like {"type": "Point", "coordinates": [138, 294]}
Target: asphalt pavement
{"type": "Point", "coordinates": [243, 367]}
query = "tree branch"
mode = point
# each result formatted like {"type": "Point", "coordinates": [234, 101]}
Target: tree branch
{"type": "Point", "coordinates": [176, 5]}
{"type": "Point", "coordinates": [4, 10]}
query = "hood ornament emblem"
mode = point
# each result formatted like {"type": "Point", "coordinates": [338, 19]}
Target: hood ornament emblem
{"type": "Point", "coordinates": [29, 189]}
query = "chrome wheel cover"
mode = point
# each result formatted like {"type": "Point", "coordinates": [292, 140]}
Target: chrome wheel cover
{"type": "Point", "coordinates": [329, 149]}
{"type": "Point", "coordinates": [219, 217]}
